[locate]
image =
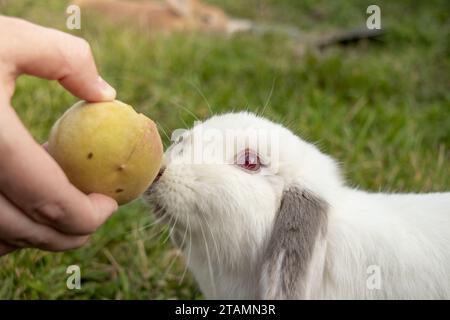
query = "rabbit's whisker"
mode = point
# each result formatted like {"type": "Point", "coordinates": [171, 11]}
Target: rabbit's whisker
{"type": "Point", "coordinates": [177, 254]}
{"type": "Point", "coordinates": [189, 252]}
{"type": "Point", "coordinates": [186, 109]}
{"type": "Point", "coordinates": [155, 235]}
{"type": "Point", "coordinates": [208, 257]}
{"type": "Point", "coordinates": [214, 240]}
{"type": "Point", "coordinates": [268, 98]}
{"type": "Point", "coordinates": [157, 221]}
{"type": "Point", "coordinates": [203, 97]}
{"type": "Point", "coordinates": [171, 230]}
{"type": "Point", "coordinates": [184, 122]}
{"type": "Point", "coordinates": [160, 232]}
{"type": "Point", "coordinates": [139, 229]}
{"type": "Point", "coordinates": [164, 131]}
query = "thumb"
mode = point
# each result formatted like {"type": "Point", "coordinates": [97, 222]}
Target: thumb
{"type": "Point", "coordinates": [104, 205]}
{"type": "Point", "coordinates": [6, 248]}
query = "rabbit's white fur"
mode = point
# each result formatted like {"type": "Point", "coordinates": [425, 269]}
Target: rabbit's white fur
{"type": "Point", "coordinates": [232, 217]}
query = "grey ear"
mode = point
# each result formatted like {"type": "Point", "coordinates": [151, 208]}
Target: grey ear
{"type": "Point", "coordinates": [301, 219]}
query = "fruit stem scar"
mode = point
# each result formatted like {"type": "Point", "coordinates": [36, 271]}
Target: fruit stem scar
{"type": "Point", "coordinates": [90, 155]}
{"type": "Point", "coordinates": [121, 167]}
{"type": "Point", "coordinates": [119, 190]}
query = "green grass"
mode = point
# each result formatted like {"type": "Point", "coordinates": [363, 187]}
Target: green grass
{"type": "Point", "coordinates": [382, 110]}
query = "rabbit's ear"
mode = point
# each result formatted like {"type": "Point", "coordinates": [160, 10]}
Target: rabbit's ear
{"type": "Point", "coordinates": [182, 8]}
{"type": "Point", "coordinates": [300, 224]}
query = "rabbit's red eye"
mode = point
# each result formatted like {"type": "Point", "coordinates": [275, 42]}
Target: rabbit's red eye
{"type": "Point", "coordinates": [248, 160]}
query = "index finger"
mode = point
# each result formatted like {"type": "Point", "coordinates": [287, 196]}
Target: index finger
{"type": "Point", "coordinates": [54, 55]}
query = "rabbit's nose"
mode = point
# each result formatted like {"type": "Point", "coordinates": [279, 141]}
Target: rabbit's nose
{"type": "Point", "coordinates": [160, 173]}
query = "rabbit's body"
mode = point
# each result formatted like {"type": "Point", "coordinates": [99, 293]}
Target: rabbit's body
{"type": "Point", "coordinates": [292, 229]}
{"type": "Point", "coordinates": [404, 237]}
{"type": "Point", "coordinates": [407, 239]}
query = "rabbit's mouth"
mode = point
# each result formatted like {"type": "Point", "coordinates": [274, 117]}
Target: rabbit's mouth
{"type": "Point", "coordinates": [159, 175]}
{"type": "Point", "coordinates": [151, 197]}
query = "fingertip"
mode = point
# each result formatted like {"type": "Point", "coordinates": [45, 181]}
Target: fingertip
{"type": "Point", "coordinates": [96, 90]}
{"type": "Point", "coordinates": [108, 93]}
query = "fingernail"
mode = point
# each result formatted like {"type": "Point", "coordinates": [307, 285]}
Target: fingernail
{"type": "Point", "coordinates": [107, 205]}
{"type": "Point", "coordinates": [113, 206]}
{"type": "Point", "coordinates": [108, 92]}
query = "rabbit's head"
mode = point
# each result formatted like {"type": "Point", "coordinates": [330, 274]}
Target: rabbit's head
{"type": "Point", "coordinates": [251, 193]}
{"type": "Point", "coordinates": [206, 17]}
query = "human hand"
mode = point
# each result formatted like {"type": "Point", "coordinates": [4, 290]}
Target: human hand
{"type": "Point", "coordinates": [39, 207]}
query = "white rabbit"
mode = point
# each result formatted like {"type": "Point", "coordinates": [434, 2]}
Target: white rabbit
{"type": "Point", "coordinates": [266, 215]}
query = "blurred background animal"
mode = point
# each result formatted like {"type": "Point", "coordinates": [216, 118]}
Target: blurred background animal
{"type": "Point", "coordinates": [168, 16]}
{"type": "Point", "coordinates": [165, 16]}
